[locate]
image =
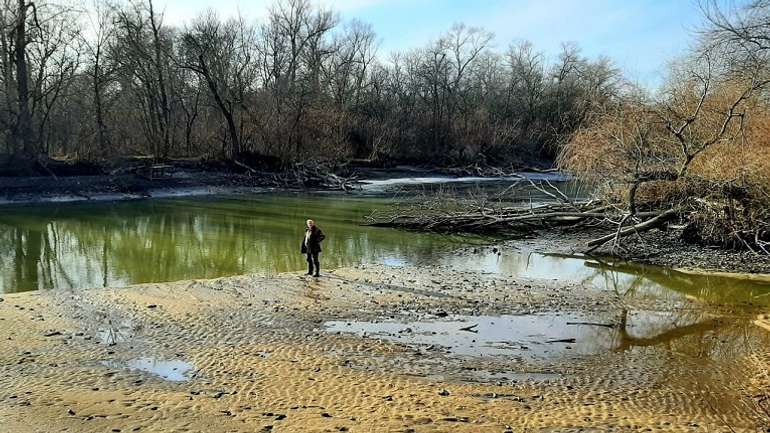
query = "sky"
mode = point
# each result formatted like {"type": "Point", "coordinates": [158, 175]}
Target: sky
{"type": "Point", "coordinates": [641, 36]}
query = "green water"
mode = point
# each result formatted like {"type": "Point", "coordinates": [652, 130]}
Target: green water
{"type": "Point", "coordinates": [53, 246]}
{"type": "Point", "coordinates": [625, 279]}
{"type": "Point", "coordinates": [117, 244]}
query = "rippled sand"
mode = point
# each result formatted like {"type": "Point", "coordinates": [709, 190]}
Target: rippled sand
{"type": "Point", "coordinates": [257, 354]}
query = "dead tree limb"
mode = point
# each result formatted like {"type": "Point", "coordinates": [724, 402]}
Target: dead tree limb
{"type": "Point", "coordinates": [638, 228]}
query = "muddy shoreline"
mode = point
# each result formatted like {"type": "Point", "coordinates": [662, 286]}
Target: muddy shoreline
{"type": "Point", "coordinates": [190, 181]}
{"type": "Point", "coordinates": [31, 190]}
{"type": "Point", "coordinates": [287, 353]}
{"type": "Point", "coordinates": [656, 247]}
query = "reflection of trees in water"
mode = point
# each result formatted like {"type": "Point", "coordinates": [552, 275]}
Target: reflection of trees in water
{"type": "Point", "coordinates": [691, 346]}
{"type": "Point", "coordinates": [691, 350]}
{"type": "Point", "coordinates": [28, 257]}
{"type": "Point", "coordinates": [120, 244]}
{"type": "Point", "coordinates": [668, 329]}
{"type": "Point", "coordinates": [694, 332]}
{"type": "Point", "coordinates": [633, 279]}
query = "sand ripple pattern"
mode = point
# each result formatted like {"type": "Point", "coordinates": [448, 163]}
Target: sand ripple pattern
{"type": "Point", "coordinates": [263, 362]}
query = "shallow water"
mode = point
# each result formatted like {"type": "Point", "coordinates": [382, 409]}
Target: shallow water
{"type": "Point", "coordinates": [559, 336]}
{"type": "Point", "coordinates": [513, 188]}
{"type": "Point", "coordinates": [173, 370]}
{"type": "Point", "coordinates": [429, 182]}
{"type": "Point", "coordinates": [624, 278]}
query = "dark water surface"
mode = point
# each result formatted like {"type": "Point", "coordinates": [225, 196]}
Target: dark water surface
{"type": "Point", "coordinates": [558, 335]}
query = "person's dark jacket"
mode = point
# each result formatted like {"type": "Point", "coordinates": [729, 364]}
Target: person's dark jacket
{"type": "Point", "coordinates": [313, 242]}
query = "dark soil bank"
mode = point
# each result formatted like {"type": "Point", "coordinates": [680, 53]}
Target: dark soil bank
{"type": "Point", "coordinates": [655, 247]}
{"type": "Point", "coordinates": [667, 248]}
{"type": "Point", "coordinates": [34, 189]}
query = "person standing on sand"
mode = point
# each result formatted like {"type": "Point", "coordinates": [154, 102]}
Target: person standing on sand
{"type": "Point", "coordinates": [311, 246]}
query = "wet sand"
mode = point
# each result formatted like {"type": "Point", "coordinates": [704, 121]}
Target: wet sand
{"type": "Point", "coordinates": [276, 353]}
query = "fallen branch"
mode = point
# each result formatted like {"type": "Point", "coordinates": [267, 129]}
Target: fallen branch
{"type": "Point", "coordinates": [603, 325]}
{"type": "Point", "coordinates": [310, 174]}
{"type": "Point", "coordinates": [638, 228]}
{"type": "Point", "coordinates": [436, 216]}
{"type": "Point", "coordinates": [242, 165]}
{"type": "Point", "coordinates": [448, 214]}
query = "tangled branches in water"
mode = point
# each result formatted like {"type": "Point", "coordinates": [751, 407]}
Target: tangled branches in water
{"type": "Point", "coordinates": [727, 218]}
{"type": "Point", "coordinates": [502, 215]}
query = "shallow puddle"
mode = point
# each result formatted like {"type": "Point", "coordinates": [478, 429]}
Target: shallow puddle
{"type": "Point", "coordinates": [558, 336]}
{"type": "Point", "coordinates": [171, 370]}
{"type": "Point", "coordinates": [624, 278]}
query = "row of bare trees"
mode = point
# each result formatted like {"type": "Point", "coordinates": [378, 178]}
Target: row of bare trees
{"type": "Point", "coordinates": [113, 78]}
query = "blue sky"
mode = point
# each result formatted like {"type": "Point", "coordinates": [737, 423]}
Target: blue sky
{"type": "Point", "coordinates": [641, 36]}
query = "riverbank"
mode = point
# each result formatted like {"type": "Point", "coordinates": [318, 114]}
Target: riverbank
{"type": "Point", "coordinates": [25, 190]}
{"type": "Point", "coordinates": [378, 348]}
{"type": "Point", "coordinates": [656, 247]}
{"type": "Point", "coordinates": [245, 197]}
{"type": "Point", "coordinates": [190, 181]}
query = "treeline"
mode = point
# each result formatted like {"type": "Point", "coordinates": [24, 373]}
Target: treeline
{"type": "Point", "coordinates": [698, 148]}
{"type": "Point", "coordinates": [110, 79]}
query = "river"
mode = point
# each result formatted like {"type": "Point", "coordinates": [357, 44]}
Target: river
{"type": "Point", "coordinates": [115, 244]}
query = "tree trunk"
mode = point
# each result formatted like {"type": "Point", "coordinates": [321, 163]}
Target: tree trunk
{"type": "Point", "coordinates": [164, 119]}
{"type": "Point", "coordinates": [235, 148]}
{"type": "Point", "coordinates": [24, 123]}
{"type": "Point", "coordinates": [100, 127]}
{"type": "Point", "coordinates": [644, 226]}
{"type": "Point", "coordinates": [101, 135]}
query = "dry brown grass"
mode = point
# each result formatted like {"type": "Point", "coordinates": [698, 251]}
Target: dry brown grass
{"type": "Point", "coordinates": [722, 182]}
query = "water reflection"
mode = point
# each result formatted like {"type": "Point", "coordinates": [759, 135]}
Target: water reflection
{"type": "Point", "coordinates": [116, 244]}
{"type": "Point", "coordinates": [172, 370]}
{"type": "Point", "coordinates": [561, 335]}
{"type": "Point", "coordinates": [623, 278]}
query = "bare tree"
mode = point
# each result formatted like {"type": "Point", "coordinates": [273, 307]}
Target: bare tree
{"type": "Point", "coordinates": [293, 49]}
{"type": "Point", "coordinates": [102, 68]}
{"type": "Point", "coordinates": [145, 46]}
{"type": "Point", "coordinates": [22, 129]}
{"type": "Point", "coordinates": [221, 54]}
{"type": "Point", "coordinates": [118, 81]}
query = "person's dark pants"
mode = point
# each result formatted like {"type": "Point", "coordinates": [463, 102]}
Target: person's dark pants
{"type": "Point", "coordinates": [312, 261]}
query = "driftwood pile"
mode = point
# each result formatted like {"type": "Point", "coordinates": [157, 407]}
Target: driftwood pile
{"type": "Point", "coordinates": [452, 216]}
{"type": "Point", "coordinates": [484, 219]}
{"type": "Point", "coordinates": [307, 174]}
{"type": "Point", "coordinates": [313, 174]}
